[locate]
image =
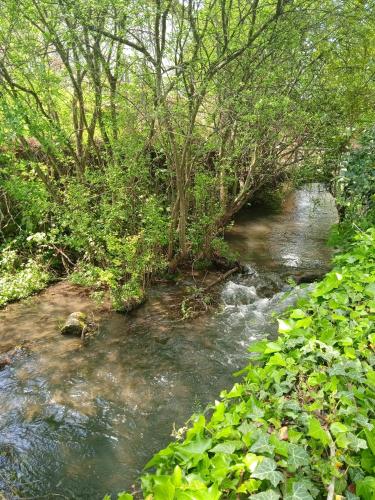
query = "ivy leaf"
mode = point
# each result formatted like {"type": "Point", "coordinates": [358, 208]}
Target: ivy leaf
{"type": "Point", "coordinates": [370, 436]}
{"type": "Point", "coordinates": [252, 461]}
{"type": "Point", "coordinates": [356, 443]}
{"type": "Point", "coordinates": [211, 493]}
{"type": "Point", "coordinates": [316, 378]}
{"type": "Point", "coordinates": [124, 496]}
{"type": "Point", "coordinates": [249, 486]}
{"type": "Point", "coordinates": [365, 488]}
{"type": "Point", "coordinates": [273, 347]}
{"type": "Point", "coordinates": [197, 447]}
{"type": "Point", "coordinates": [371, 377]}
{"type": "Point", "coordinates": [342, 440]}
{"type": "Point", "coordinates": [368, 461]}
{"type": "Point", "coordinates": [316, 431]}
{"type": "Point", "coordinates": [338, 427]}
{"type": "Point", "coordinates": [228, 447]}
{"type": "Point", "coordinates": [262, 445]}
{"type": "Point", "coordinates": [267, 470]}
{"type": "Point", "coordinates": [298, 314]}
{"type": "Point", "coordinates": [304, 323]}
{"type": "Point", "coordinates": [350, 496]}
{"type": "Point", "coordinates": [267, 495]}
{"type": "Point", "coordinates": [370, 289]}
{"type": "Point", "coordinates": [298, 456]}
{"type": "Point", "coordinates": [299, 492]}
{"type": "Point", "coordinates": [276, 360]}
{"type": "Point", "coordinates": [281, 447]}
{"type": "Point", "coordinates": [163, 488]}
{"type": "Point", "coordinates": [194, 450]}
{"type": "Point", "coordinates": [285, 326]}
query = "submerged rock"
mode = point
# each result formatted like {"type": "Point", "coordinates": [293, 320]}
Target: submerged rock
{"type": "Point", "coordinates": [4, 361]}
{"type": "Point", "coordinates": [76, 324]}
{"type": "Point", "coordinates": [309, 277]}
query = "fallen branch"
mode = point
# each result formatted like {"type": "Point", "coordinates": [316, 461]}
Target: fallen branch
{"type": "Point", "coordinates": [222, 278]}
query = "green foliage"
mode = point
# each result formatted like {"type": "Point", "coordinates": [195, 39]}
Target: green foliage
{"type": "Point", "coordinates": [131, 145]}
{"type": "Point", "coordinates": [355, 184]}
{"type": "Point", "coordinates": [120, 243]}
{"type": "Point", "coordinates": [303, 416]}
{"type": "Point", "coordinates": [20, 279]}
{"type": "Point", "coordinates": [24, 199]}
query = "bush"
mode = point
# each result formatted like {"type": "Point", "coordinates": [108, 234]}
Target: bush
{"type": "Point", "coordinates": [355, 184]}
{"type": "Point", "coordinates": [19, 280]}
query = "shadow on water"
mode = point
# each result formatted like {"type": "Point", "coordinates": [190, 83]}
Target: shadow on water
{"type": "Point", "coordinates": [77, 422]}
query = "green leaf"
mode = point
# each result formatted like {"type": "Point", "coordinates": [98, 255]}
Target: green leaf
{"type": "Point", "coordinates": [338, 427]}
{"type": "Point", "coordinates": [163, 488]}
{"type": "Point", "coordinates": [299, 492]}
{"type": "Point", "coordinates": [266, 469]}
{"type": "Point", "coordinates": [370, 436]}
{"type": "Point", "coordinates": [370, 289]}
{"type": "Point", "coordinates": [124, 496]}
{"type": "Point", "coordinates": [259, 346]}
{"type": "Point", "coordinates": [267, 495]}
{"type": "Point", "coordinates": [272, 347]}
{"type": "Point", "coordinates": [196, 447]}
{"type": "Point", "coordinates": [262, 445]}
{"type": "Point", "coordinates": [370, 375]}
{"type": "Point", "coordinates": [316, 431]}
{"type": "Point", "coordinates": [298, 456]}
{"type": "Point", "coordinates": [298, 314]}
{"type": "Point", "coordinates": [285, 325]}
{"type": "Point", "coordinates": [193, 451]}
{"type": "Point", "coordinates": [281, 447]}
{"type": "Point", "coordinates": [276, 360]}
{"type": "Point", "coordinates": [211, 493]}
{"type": "Point", "coordinates": [365, 488]}
{"type": "Point", "coordinates": [249, 486]}
{"type": "Point", "coordinates": [252, 461]}
{"type": "Point", "coordinates": [304, 323]}
{"type": "Point", "coordinates": [228, 447]}
{"type": "Point", "coordinates": [356, 443]}
{"type": "Point", "coordinates": [177, 476]}
{"type": "Point", "coordinates": [368, 461]}
{"type": "Point", "coordinates": [316, 378]}
{"type": "Point", "coordinates": [342, 440]}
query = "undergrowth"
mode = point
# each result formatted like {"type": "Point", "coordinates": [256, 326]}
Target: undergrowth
{"type": "Point", "coordinates": [19, 278]}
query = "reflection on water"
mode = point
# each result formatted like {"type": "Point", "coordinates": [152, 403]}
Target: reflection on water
{"type": "Point", "coordinates": [290, 240]}
{"type": "Point", "coordinates": [77, 422]}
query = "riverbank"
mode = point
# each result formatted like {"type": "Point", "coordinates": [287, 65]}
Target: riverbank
{"type": "Point", "coordinates": [300, 423]}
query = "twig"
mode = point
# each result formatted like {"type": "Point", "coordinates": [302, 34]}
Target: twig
{"type": "Point", "coordinates": [331, 487]}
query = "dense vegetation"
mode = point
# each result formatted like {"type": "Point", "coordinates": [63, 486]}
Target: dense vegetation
{"type": "Point", "coordinates": [300, 423]}
{"type": "Point", "coordinates": [132, 132]}
{"type": "Point", "coordinates": [130, 135]}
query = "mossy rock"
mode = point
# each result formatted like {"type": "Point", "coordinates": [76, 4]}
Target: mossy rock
{"type": "Point", "coordinates": [75, 324]}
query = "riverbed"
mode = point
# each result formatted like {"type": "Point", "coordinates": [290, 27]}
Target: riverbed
{"type": "Point", "coordinates": [78, 421]}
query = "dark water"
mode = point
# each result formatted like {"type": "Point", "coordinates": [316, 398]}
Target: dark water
{"type": "Point", "coordinates": [77, 422]}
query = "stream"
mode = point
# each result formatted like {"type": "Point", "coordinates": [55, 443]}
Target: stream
{"type": "Point", "coordinates": [78, 421]}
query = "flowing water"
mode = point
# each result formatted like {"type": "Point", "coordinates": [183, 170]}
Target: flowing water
{"type": "Point", "coordinates": [80, 421]}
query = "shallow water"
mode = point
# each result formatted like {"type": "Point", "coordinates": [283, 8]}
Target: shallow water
{"type": "Point", "coordinates": [80, 421]}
